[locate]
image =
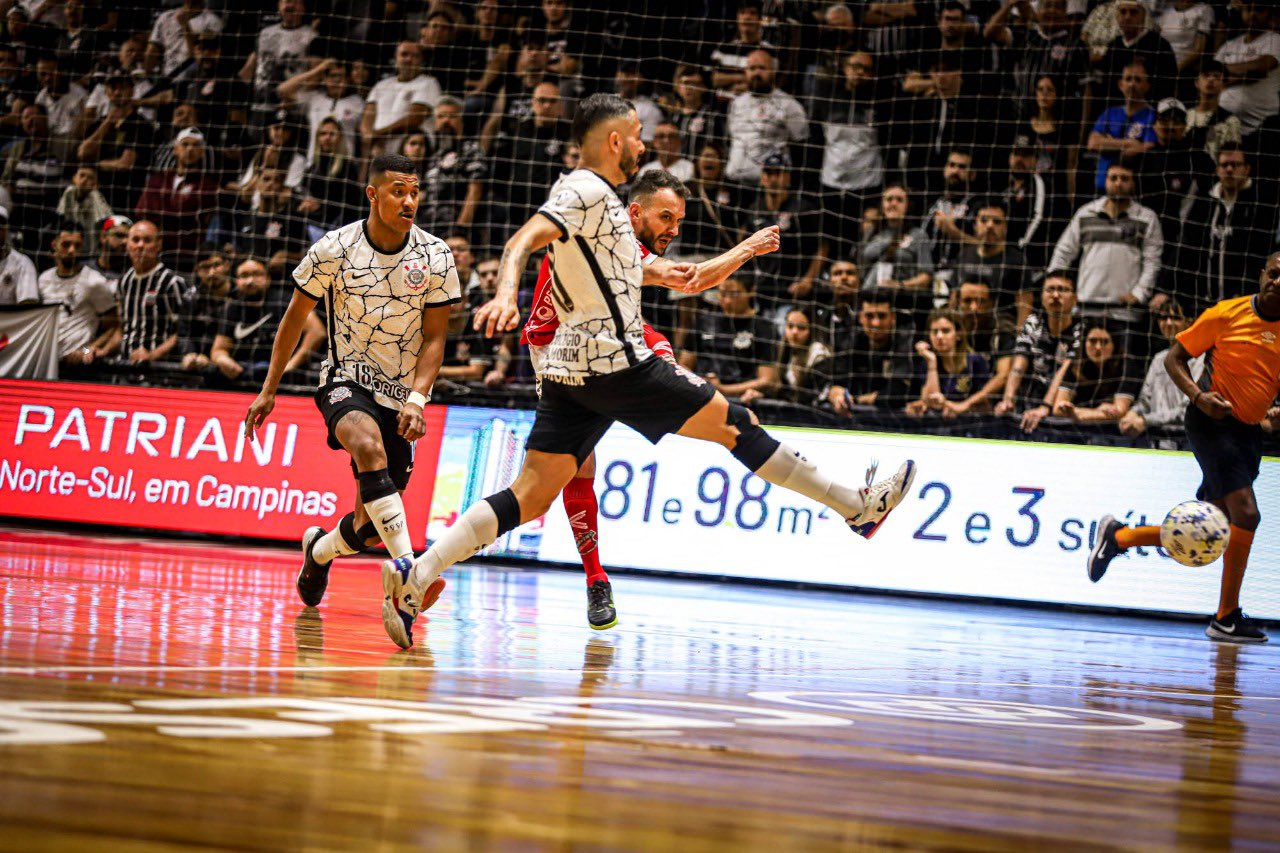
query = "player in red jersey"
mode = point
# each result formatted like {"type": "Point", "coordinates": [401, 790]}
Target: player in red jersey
{"type": "Point", "coordinates": [656, 206]}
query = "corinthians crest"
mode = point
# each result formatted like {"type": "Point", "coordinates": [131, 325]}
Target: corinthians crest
{"type": "Point", "coordinates": [415, 276]}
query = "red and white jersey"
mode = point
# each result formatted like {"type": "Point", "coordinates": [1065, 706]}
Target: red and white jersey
{"type": "Point", "coordinates": [543, 321]}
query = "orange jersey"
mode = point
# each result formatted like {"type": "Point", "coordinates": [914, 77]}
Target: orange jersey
{"type": "Point", "coordinates": [1245, 360]}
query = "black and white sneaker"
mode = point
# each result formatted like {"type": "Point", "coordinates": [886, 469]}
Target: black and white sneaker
{"type": "Point", "coordinates": [1235, 627]}
{"type": "Point", "coordinates": [601, 613]}
{"type": "Point", "coordinates": [313, 577]}
{"type": "Point", "coordinates": [1105, 548]}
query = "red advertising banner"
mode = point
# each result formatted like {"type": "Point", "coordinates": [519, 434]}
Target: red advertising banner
{"type": "Point", "coordinates": [178, 460]}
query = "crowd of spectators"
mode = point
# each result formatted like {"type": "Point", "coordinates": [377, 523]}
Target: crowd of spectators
{"type": "Point", "coordinates": [987, 208]}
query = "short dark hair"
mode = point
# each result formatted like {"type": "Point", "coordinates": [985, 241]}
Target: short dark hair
{"type": "Point", "coordinates": [992, 204]}
{"type": "Point", "coordinates": [597, 109]}
{"type": "Point", "coordinates": [68, 226]}
{"type": "Point", "coordinates": [653, 180]}
{"type": "Point", "coordinates": [1231, 145]}
{"type": "Point", "coordinates": [978, 280]}
{"type": "Point", "coordinates": [1212, 66]}
{"type": "Point", "coordinates": [209, 250]}
{"type": "Point", "coordinates": [876, 296]}
{"type": "Point", "coordinates": [953, 6]}
{"type": "Point", "coordinates": [1065, 275]}
{"type": "Point", "coordinates": [391, 163]}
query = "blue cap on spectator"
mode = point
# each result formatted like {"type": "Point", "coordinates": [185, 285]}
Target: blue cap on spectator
{"type": "Point", "coordinates": [778, 162]}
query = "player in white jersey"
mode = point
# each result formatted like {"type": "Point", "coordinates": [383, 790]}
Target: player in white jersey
{"type": "Point", "coordinates": [598, 370]}
{"type": "Point", "coordinates": [387, 286]}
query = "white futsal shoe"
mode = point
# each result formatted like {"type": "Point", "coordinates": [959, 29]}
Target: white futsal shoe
{"type": "Point", "coordinates": [879, 499]}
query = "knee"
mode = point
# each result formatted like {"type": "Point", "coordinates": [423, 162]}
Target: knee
{"type": "Point", "coordinates": [1246, 517]}
{"type": "Point", "coordinates": [368, 452]}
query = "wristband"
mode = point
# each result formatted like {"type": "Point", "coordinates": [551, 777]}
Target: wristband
{"type": "Point", "coordinates": [418, 399]}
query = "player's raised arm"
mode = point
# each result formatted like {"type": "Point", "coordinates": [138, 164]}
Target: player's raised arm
{"type": "Point", "coordinates": [295, 317]}
{"type": "Point", "coordinates": [713, 272]}
{"type": "Point", "coordinates": [501, 314]}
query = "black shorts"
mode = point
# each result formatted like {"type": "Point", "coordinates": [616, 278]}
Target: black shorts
{"type": "Point", "coordinates": [336, 399]}
{"type": "Point", "coordinates": [653, 398]}
{"type": "Point", "coordinates": [1229, 453]}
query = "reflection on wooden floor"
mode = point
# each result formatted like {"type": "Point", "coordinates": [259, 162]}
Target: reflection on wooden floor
{"type": "Point", "coordinates": [162, 694]}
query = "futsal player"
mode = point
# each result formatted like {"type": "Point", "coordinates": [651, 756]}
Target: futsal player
{"type": "Point", "coordinates": [1236, 392]}
{"type": "Point", "coordinates": [387, 286]}
{"type": "Point", "coordinates": [598, 370]}
{"type": "Point", "coordinates": [656, 207]}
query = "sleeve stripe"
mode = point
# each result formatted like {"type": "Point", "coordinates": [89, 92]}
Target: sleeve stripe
{"type": "Point", "coordinates": [564, 232]}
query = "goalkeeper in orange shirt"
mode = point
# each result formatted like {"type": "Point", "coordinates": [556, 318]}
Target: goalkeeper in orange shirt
{"type": "Point", "coordinates": [1235, 394]}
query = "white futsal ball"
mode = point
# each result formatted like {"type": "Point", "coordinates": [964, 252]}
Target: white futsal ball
{"type": "Point", "coordinates": [1195, 533]}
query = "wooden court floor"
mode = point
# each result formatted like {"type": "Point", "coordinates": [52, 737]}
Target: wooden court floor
{"type": "Point", "coordinates": [163, 695]}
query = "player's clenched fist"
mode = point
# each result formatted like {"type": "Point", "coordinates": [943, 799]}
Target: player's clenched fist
{"type": "Point", "coordinates": [410, 423]}
{"type": "Point", "coordinates": [496, 315]}
{"type": "Point", "coordinates": [765, 240]}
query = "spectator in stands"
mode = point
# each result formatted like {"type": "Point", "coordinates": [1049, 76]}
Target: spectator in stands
{"type": "Point", "coordinates": [897, 258]}
{"type": "Point", "coordinates": [1162, 404]}
{"type": "Point", "coordinates": [992, 260]}
{"type": "Point", "coordinates": [464, 262]}
{"type": "Point", "coordinates": [152, 300]}
{"type": "Point", "coordinates": [242, 349]}
{"type": "Point", "coordinates": [469, 356]}
{"type": "Point", "coordinates": [763, 120]}
{"type": "Point", "coordinates": [324, 92]}
{"type": "Point", "coordinates": [801, 354]}
{"type": "Point", "coordinates": [694, 111]}
{"type": "Point", "coordinates": [32, 174]}
{"type": "Point", "coordinates": [84, 205]}
{"type": "Point", "coordinates": [63, 102]}
{"type": "Point", "coordinates": [1123, 133]}
{"type": "Point", "coordinates": [872, 367]}
{"type": "Point", "coordinates": [1041, 45]}
{"type": "Point", "coordinates": [729, 59]}
{"type": "Point", "coordinates": [279, 53]}
{"type": "Point", "coordinates": [267, 227]}
{"type": "Point", "coordinates": [1208, 124]}
{"type": "Point", "coordinates": [215, 92]}
{"type": "Point", "coordinates": [1029, 204]}
{"type": "Point", "coordinates": [489, 59]}
{"type": "Point", "coordinates": [1187, 25]}
{"type": "Point", "coordinates": [889, 29]}
{"type": "Point", "coordinates": [1048, 343]}
{"type": "Point", "coordinates": [1051, 138]}
{"type": "Point", "coordinates": [77, 44]}
{"type": "Point", "coordinates": [118, 146]}
{"type": "Point", "coordinates": [627, 83]}
{"type": "Point", "coordinates": [454, 177]}
{"type": "Point", "coordinates": [113, 237]}
{"type": "Point", "coordinates": [785, 277]}
{"type": "Point", "coordinates": [1119, 244]}
{"type": "Point", "coordinates": [734, 347]}
{"type": "Point", "coordinates": [1174, 172]}
{"type": "Point", "coordinates": [414, 145]}
{"type": "Point", "coordinates": [1228, 236]}
{"type": "Point", "coordinates": [1104, 385]}
{"type": "Point", "coordinates": [948, 371]}
{"type": "Point", "coordinates": [566, 39]}
{"type": "Point", "coordinates": [17, 88]}
{"type": "Point", "coordinates": [1252, 62]}
{"type": "Point", "coordinates": [529, 147]}
{"type": "Point", "coordinates": [1138, 44]}
{"type": "Point", "coordinates": [444, 51]}
{"type": "Point", "coordinates": [937, 122]}
{"type": "Point", "coordinates": [666, 145]}
{"type": "Point", "coordinates": [990, 334]}
{"type": "Point", "coordinates": [279, 151]}
{"type": "Point", "coordinates": [954, 36]}
{"type": "Point", "coordinates": [714, 208]}
{"type": "Point", "coordinates": [176, 30]}
{"type": "Point", "coordinates": [203, 315]}
{"type": "Point", "coordinates": [89, 301]}
{"type": "Point", "coordinates": [18, 281]}
{"type": "Point", "coordinates": [516, 100]}
{"type": "Point", "coordinates": [836, 312]}
{"type": "Point", "coordinates": [837, 37]}
{"type": "Point", "coordinates": [851, 111]}
{"type": "Point", "coordinates": [181, 201]}
{"type": "Point", "coordinates": [949, 220]}
{"type": "Point", "coordinates": [331, 192]}
{"type": "Point", "coordinates": [400, 102]}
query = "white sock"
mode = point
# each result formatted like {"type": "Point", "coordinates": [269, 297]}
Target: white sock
{"type": "Point", "coordinates": [387, 514]}
{"type": "Point", "coordinates": [787, 468]}
{"type": "Point", "coordinates": [476, 528]}
{"type": "Point", "coordinates": [331, 545]}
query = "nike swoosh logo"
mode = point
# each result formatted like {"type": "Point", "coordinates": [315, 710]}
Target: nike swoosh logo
{"type": "Point", "coordinates": [242, 331]}
{"type": "Point", "coordinates": [1224, 629]}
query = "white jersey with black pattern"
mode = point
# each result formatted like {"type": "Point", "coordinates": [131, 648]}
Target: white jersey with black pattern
{"type": "Point", "coordinates": [374, 303]}
{"type": "Point", "coordinates": [596, 281]}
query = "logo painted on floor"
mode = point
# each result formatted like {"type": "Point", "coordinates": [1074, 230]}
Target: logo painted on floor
{"type": "Point", "coordinates": [47, 723]}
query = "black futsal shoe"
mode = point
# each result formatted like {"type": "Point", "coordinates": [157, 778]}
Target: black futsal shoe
{"type": "Point", "coordinates": [1105, 548]}
{"type": "Point", "coordinates": [600, 610]}
{"type": "Point", "coordinates": [1235, 627]}
{"type": "Point", "coordinates": [313, 578]}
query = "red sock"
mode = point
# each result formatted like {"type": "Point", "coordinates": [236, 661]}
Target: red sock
{"type": "Point", "coordinates": [580, 505]}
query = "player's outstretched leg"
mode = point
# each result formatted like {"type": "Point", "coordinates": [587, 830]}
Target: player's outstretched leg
{"type": "Point", "coordinates": [319, 549]}
{"type": "Point", "coordinates": [410, 584]}
{"type": "Point", "coordinates": [1112, 539]}
{"type": "Point", "coordinates": [582, 510]}
{"type": "Point", "coordinates": [863, 509]}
